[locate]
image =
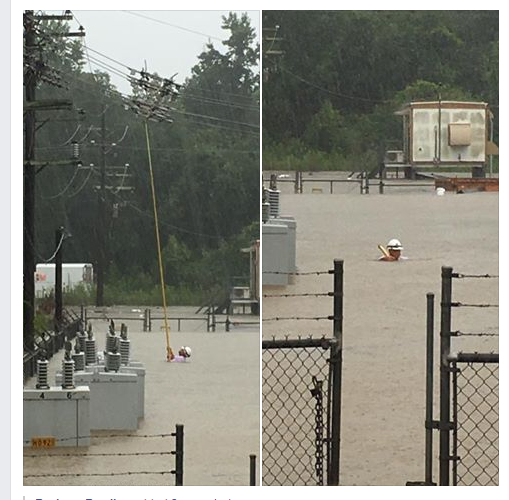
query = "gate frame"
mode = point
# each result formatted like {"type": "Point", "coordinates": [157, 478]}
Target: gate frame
{"type": "Point", "coordinates": [448, 363]}
{"type": "Point", "coordinates": [332, 440]}
{"type": "Point", "coordinates": [335, 373]}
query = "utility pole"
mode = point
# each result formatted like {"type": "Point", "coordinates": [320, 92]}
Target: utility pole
{"type": "Point", "coordinates": [29, 193]}
{"type": "Point", "coordinates": [271, 51]}
{"type": "Point", "coordinates": [34, 70]}
{"type": "Point", "coordinates": [101, 228]}
{"type": "Point", "coordinates": [103, 189]}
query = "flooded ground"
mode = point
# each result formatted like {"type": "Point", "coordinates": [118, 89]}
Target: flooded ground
{"type": "Point", "coordinates": [385, 307]}
{"type": "Point", "coordinates": [216, 396]}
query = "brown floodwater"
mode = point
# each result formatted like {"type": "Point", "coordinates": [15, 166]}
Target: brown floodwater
{"type": "Point", "coordinates": [382, 428]}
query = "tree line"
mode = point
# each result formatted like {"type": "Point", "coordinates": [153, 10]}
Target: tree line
{"type": "Point", "coordinates": [332, 80]}
{"type": "Point", "coordinates": [206, 169]}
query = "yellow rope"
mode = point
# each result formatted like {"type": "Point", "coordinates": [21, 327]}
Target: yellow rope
{"type": "Point", "coordinates": [159, 255]}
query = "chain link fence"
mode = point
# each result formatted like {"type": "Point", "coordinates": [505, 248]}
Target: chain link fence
{"type": "Point", "coordinates": [475, 421]}
{"type": "Point", "coordinates": [468, 398]}
{"type": "Point", "coordinates": [296, 408]}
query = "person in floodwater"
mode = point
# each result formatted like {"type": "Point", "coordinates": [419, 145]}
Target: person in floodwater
{"type": "Point", "coordinates": [183, 353]}
{"type": "Point", "coordinates": [392, 252]}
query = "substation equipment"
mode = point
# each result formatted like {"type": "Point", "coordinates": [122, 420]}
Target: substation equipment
{"type": "Point", "coordinates": [279, 240]}
{"type": "Point", "coordinates": [94, 391]}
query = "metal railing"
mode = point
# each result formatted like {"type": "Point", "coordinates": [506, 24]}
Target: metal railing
{"type": "Point", "coordinates": [48, 343]}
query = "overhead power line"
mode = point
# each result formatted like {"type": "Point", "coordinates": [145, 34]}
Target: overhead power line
{"type": "Point", "coordinates": [172, 25]}
{"type": "Point", "coordinates": [337, 94]}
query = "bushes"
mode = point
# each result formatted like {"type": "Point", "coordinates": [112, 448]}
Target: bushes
{"type": "Point", "coordinates": [191, 277]}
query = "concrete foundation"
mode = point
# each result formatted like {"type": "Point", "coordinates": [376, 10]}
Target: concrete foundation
{"type": "Point", "coordinates": [114, 398]}
{"type": "Point", "coordinates": [56, 417]}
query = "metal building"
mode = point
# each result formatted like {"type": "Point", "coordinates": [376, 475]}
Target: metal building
{"type": "Point", "coordinates": [445, 133]}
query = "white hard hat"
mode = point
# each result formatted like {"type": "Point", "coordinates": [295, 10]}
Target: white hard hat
{"type": "Point", "coordinates": [395, 244]}
{"type": "Point", "coordinates": [187, 350]}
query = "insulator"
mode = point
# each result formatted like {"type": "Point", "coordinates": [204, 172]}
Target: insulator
{"type": "Point", "coordinates": [82, 337]}
{"type": "Point", "coordinates": [125, 351]}
{"type": "Point", "coordinates": [90, 352]}
{"type": "Point", "coordinates": [274, 200]}
{"type": "Point", "coordinates": [79, 361]}
{"type": "Point", "coordinates": [111, 343]}
{"type": "Point", "coordinates": [265, 211]}
{"type": "Point", "coordinates": [113, 360]}
{"type": "Point", "coordinates": [75, 150]}
{"type": "Point", "coordinates": [42, 374]}
{"type": "Point", "coordinates": [67, 374]}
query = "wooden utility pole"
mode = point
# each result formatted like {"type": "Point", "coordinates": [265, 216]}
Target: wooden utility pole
{"type": "Point", "coordinates": [103, 206]}
{"type": "Point", "coordinates": [31, 76]}
{"type": "Point", "coordinates": [101, 227]}
{"type": "Point", "coordinates": [29, 194]}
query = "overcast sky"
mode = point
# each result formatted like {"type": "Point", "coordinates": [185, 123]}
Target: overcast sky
{"type": "Point", "coordinates": [169, 42]}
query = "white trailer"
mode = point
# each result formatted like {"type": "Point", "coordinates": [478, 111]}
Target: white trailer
{"type": "Point", "coordinates": [72, 275]}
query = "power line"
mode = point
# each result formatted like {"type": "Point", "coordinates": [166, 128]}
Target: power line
{"type": "Point", "coordinates": [63, 191]}
{"type": "Point", "coordinates": [337, 94]}
{"type": "Point", "coordinates": [186, 113]}
{"type": "Point", "coordinates": [172, 25]}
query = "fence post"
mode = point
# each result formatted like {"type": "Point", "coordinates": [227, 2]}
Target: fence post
{"type": "Point", "coordinates": [179, 455]}
{"type": "Point", "coordinates": [252, 470]}
{"type": "Point", "coordinates": [445, 385]}
{"type": "Point", "coordinates": [428, 464]}
{"type": "Point", "coordinates": [145, 320]}
{"type": "Point", "coordinates": [336, 355]}
{"type": "Point", "coordinates": [296, 185]}
{"type": "Point", "coordinates": [366, 182]}
{"type": "Point", "coordinates": [149, 320]}
{"type": "Point", "coordinates": [381, 172]}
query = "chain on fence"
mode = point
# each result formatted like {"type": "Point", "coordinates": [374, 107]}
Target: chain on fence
{"type": "Point", "coordinates": [476, 416]}
{"type": "Point", "coordinates": [295, 384]}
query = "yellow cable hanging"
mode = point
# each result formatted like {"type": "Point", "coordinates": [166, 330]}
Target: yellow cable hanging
{"type": "Point", "coordinates": [159, 255]}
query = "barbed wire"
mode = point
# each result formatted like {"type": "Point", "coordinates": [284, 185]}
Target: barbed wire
{"type": "Point", "coordinates": [459, 333]}
{"type": "Point", "coordinates": [91, 474]}
{"type": "Point", "coordinates": [300, 337]}
{"type": "Point", "coordinates": [460, 304]}
{"type": "Point", "coordinates": [289, 318]}
{"type": "Point", "coordinates": [318, 294]}
{"type": "Point", "coordinates": [296, 273]}
{"type": "Point", "coordinates": [171, 434]}
{"type": "Point", "coordinates": [460, 275]}
{"type": "Point", "coordinates": [121, 454]}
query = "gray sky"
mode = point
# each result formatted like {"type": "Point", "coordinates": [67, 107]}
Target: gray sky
{"type": "Point", "coordinates": [170, 43]}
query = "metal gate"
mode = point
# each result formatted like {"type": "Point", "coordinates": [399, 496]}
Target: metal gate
{"type": "Point", "coordinates": [469, 400]}
{"type": "Point", "coordinates": [301, 411]}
